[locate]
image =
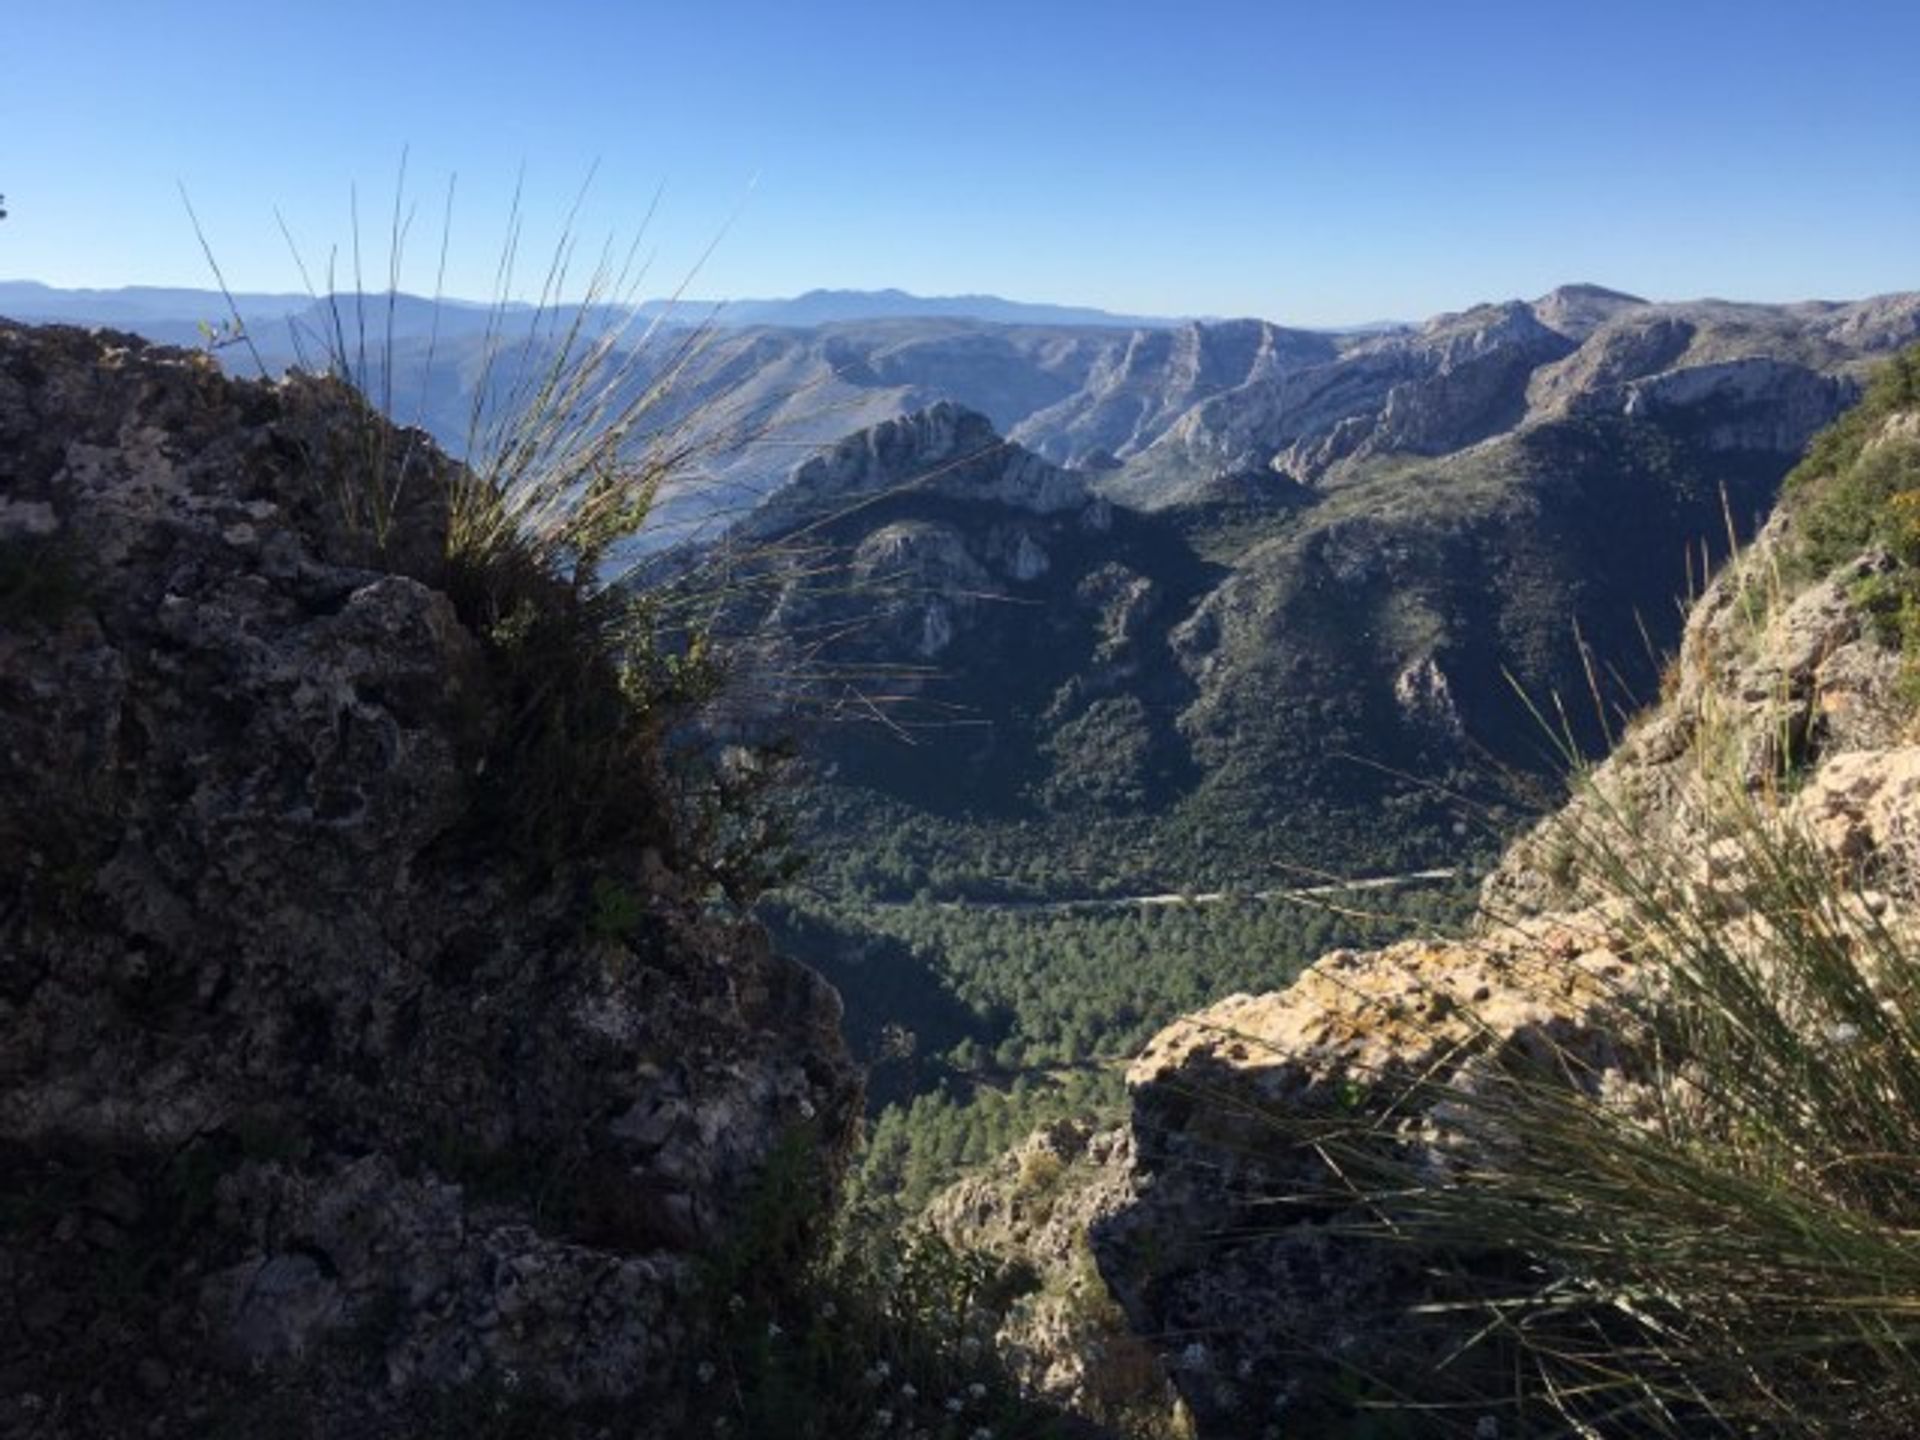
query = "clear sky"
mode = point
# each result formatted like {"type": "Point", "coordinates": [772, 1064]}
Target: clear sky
{"type": "Point", "coordinates": [1319, 163]}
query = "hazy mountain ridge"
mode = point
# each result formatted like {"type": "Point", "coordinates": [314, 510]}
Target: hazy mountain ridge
{"type": "Point", "coordinates": [1465, 377]}
{"type": "Point", "coordinates": [176, 305]}
{"type": "Point", "coordinates": [1177, 411]}
{"type": "Point", "coordinates": [1214, 649]}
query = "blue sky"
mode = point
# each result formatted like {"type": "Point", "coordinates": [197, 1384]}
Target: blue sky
{"type": "Point", "coordinates": [1316, 163]}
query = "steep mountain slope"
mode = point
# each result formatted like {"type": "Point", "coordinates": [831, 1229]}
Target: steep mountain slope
{"type": "Point", "coordinates": [1490, 513]}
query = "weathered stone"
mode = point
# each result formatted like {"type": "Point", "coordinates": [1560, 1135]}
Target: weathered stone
{"type": "Point", "coordinates": [351, 1079]}
{"type": "Point", "coordinates": [1067, 1339]}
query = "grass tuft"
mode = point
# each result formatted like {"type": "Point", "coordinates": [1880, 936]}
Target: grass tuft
{"type": "Point", "coordinates": [599, 678]}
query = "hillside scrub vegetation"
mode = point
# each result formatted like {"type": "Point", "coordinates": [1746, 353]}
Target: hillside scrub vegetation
{"type": "Point", "coordinates": [1859, 489]}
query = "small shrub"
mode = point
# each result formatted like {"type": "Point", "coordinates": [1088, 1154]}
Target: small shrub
{"type": "Point", "coordinates": [1893, 388]}
{"type": "Point", "coordinates": [823, 1322]}
{"type": "Point", "coordinates": [617, 910]}
{"type": "Point", "coordinates": [1040, 1172]}
{"type": "Point", "coordinates": [1869, 502]}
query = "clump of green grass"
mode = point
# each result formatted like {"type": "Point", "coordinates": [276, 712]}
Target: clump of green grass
{"type": "Point", "coordinates": [1722, 1235]}
{"type": "Point", "coordinates": [597, 677]}
{"type": "Point", "coordinates": [1740, 1247]}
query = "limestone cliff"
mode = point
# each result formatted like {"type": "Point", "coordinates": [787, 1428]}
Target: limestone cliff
{"type": "Point", "coordinates": [319, 1109]}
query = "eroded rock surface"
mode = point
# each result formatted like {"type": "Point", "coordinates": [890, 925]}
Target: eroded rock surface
{"type": "Point", "coordinates": [315, 1106]}
{"type": "Point", "coordinates": [1066, 1338]}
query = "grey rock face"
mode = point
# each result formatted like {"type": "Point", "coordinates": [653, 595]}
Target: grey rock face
{"type": "Point", "coordinates": [1772, 374]}
{"type": "Point", "coordinates": [256, 965]}
{"type": "Point", "coordinates": [1133, 393]}
{"type": "Point", "coordinates": [1068, 1339]}
{"type": "Point", "coordinates": [944, 450]}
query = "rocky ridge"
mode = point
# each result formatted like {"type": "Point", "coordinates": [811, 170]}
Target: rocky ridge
{"type": "Point", "coordinates": [319, 1111]}
{"type": "Point", "coordinates": [1495, 499]}
{"type": "Point", "coordinates": [1501, 369]}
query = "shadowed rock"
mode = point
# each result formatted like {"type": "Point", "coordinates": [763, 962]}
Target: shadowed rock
{"type": "Point", "coordinates": [388, 1109]}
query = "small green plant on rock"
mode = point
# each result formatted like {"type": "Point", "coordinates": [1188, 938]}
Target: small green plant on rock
{"type": "Point", "coordinates": [598, 678]}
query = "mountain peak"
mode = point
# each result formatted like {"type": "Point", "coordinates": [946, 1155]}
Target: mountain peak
{"type": "Point", "coordinates": [1585, 291]}
{"type": "Point", "coordinates": [945, 450]}
{"type": "Point", "coordinates": [1577, 310]}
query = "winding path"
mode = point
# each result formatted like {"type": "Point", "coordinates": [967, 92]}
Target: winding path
{"type": "Point", "coordinates": [1205, 897]}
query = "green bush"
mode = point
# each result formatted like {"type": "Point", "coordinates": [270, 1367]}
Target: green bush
{"type": "Point", "coordinates": [832, 1326]}
{"type": "Point", "coordinates": [1895, 387]}
{"type": "Point", "coordinates": [1863, 504]}
{"type": "Point", "coordinates": [1857, 493]}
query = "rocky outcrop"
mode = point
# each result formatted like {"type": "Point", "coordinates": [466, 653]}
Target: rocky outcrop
{"type": "Point", "coordinates": [968, 579]}
{"type": "Point", "coordinates": [317, 1106]}
{"type": "Point", "coordinates": [1247, 1251]}
{"type": "Point", "coordinates": [944, 450]}
{"type": "Point", "coordinates": [1798, 682]}
{"type": "Point", "coordinates": [1065, 1338]}
{"type": "Point", "coordinates": [1235, 1250]}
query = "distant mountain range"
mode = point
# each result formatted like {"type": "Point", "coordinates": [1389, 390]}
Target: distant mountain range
{"type": "Point", "coordinates": [1177, 575]}
{"type": "Point", "coordinates": [1287, 592]}
{"type": "Point", "coordinates": [179, 311]}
